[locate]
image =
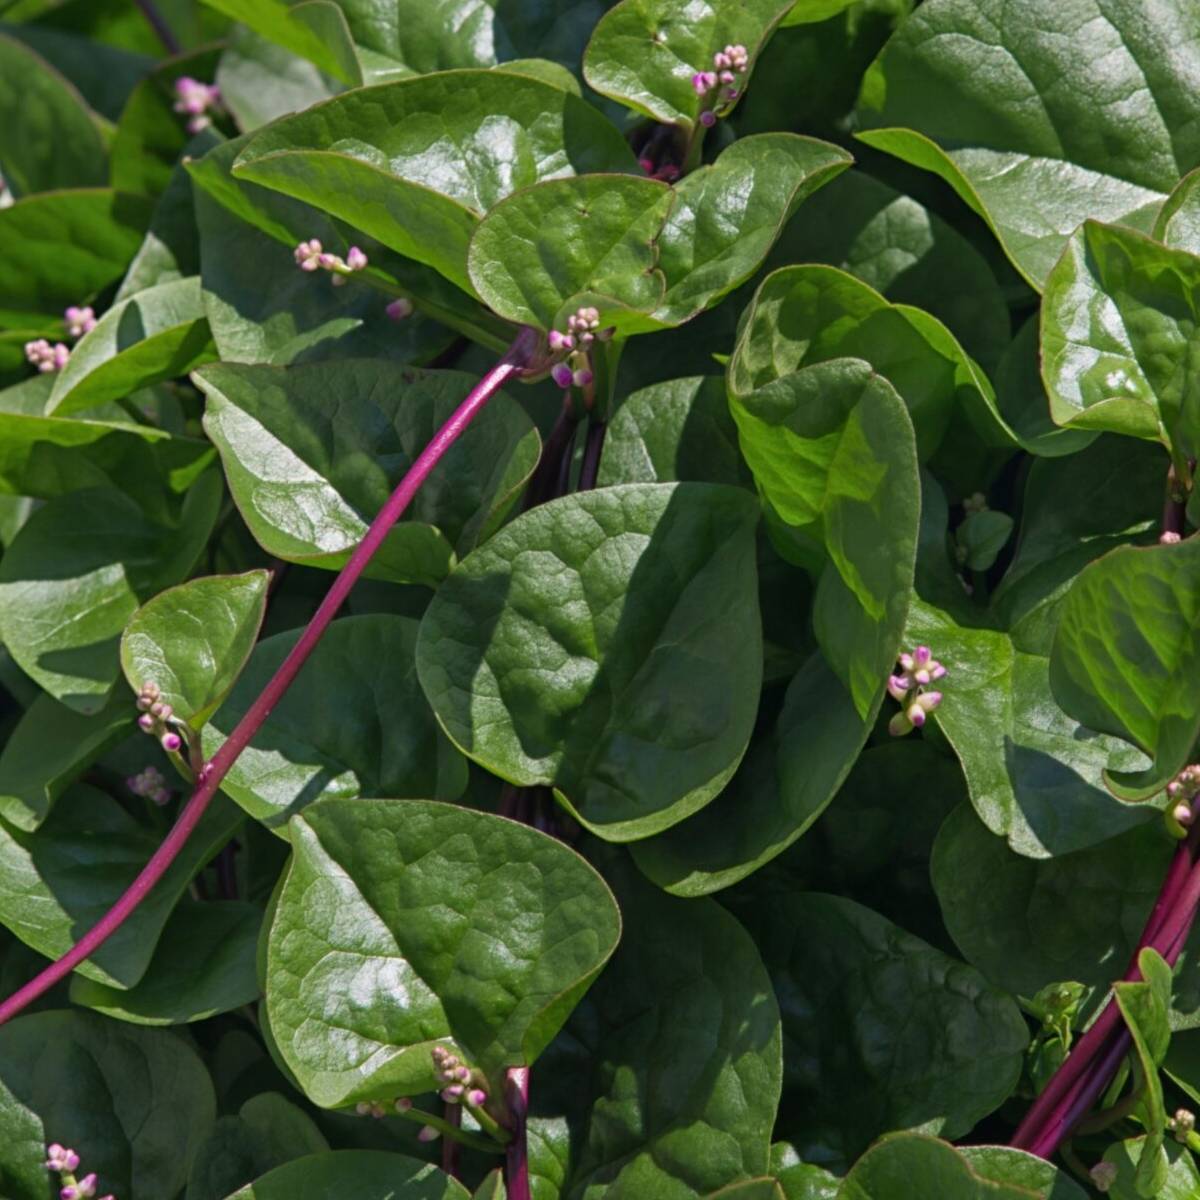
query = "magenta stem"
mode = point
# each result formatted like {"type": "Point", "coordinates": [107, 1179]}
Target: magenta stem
{"type": "Point", "coordinates": [159, 25]}
{"type": "Point", "coordinates": [511, 364]}
{"type": "Point", "coordinates": [516, 1162]}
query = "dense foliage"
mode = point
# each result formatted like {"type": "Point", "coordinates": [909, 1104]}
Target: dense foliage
{"type": "Point", "coordinates": [765, 728]}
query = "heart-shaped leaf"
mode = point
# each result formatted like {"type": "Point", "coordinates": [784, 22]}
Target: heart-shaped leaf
{"type": "Point", "coordinates": [362, 727]}
{"type": "Point", "coordinates": [191, 641]}
{"type": "Point", "coordinates": [1125, 657]}
{"type": "Point", "coordinates": [157, 334]}
{"type": "Point", "coordinates": [1000, 105]}
{"type": "Point", "coordinates": [394, 928]}
{"type": "Point", "coordinates": [59, 881]}
{"type": "Point", "coordinates": [310, 478]}
{"type": "Point", "coordinates": [133, 1103]}
{"type": "Point", "coordinates": [1119, 316]}
{"type": "Point", "coordinates": [530, 647]}
{"type": "Point", "coordinates": [365, 1174]}
{"type": "Point", "coordinates": [416, 163]}
{"type": "Point", "coordinates": [76, 573]}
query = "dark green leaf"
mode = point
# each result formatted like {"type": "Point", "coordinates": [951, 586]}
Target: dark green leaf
{"type": "Point", "coordinates": [1003, 1165]}
{"type": "Point", "coordinates": [363, 1174]}
{"type": "Point", "coordinates": [530, 649]}
{"type": "Point", "coordinates": [981, 537]}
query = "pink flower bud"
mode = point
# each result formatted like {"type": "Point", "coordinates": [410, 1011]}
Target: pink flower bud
{"type": "Point", "coordinates": [1170, 538]}
{"type": "Point", "coordinates": [703, 81]}
{"type": "Point", "coordinates": [453, 1093]}
{"type": "Point", "coordinates": [308, 255]}
{"type": "Point", "coordinates": [356, 260]}
{"type": "Point", "coordinates": [937, 671]}
{"type": "Point", "coordinates": [400, 309]}
{"type": "Point", "coordinates": [70, 1192]}
{"type": "Point", "coordinates": [463, 1074]}
{"type": "Point", "coordinates": [403, 1104]}
{"type": "Point", "coordinates": [477, 1097]}
{"type": "Point", "coordinates": [1183, 814]}
{"type": "Point", "coordinates": [363, 1108]}
{"type": "Point", "coordinates": [172, 743]}
{"type": "Point", "coordinates": [428, 1134]}
{"type": "Point", "coordinates": [562, 375]}
{"type": "Point", "coordinates": [928, 701]}
{"type": "Point", "coordinates": [560, 341]}
{"type": "Point", "coordinates": [708, 119]}
{"type": "Point", "coordinates": [898, 686]}
{"type": "Point", "coordinates": [581, 378]}
{"type": "Point", "coordinates": [922, 655]}
{"type": "Point", "coordinates": [146, 723]}
{"type": "Point", "coordinates": [87, 1186]}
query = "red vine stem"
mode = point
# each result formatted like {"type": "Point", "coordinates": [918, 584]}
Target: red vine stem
{"type": "Point", "coordinates": [516, 1163]}
{"type": "Point", "coordinates": [159, 25]}
{"type": "Point", "coordinates": [512, 364]}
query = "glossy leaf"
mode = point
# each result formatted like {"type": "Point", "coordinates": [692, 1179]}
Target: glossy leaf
{"type": "Point", "coordinates": [332, 740]}
{"type": "Point", "coordinates": [1132, 615]}
{"type": "Point", "coordinates": [529, 648]}
{"type": "Point", "coordinates": [49, 138]}
{"type": "Point", "coordinates": [415, 163]}
{"type": "Point", "coordinates": [644, 52]}
{"type": "Point", "coordinates": [997, 101]}
{"type": "Point", "coordinates": [154, 335]}
{"type": "Point", "coordinates": [1001, 1164]}
{"type": "Point", "coordinates": [59, 881]}
{"type": "Point", "coordinates": [76, 573]}
{"type": "Point", "coordinates": [310, 477]}
{"type": "Point", "coordinates": [922, 1041]}
{"type": "Point", "coordinates": [1119, 316]}
{"type": "Point", "coordinates": [404, 912]}
{"type": "Point", "coordinates": [137, 1102]}
{"type": "Point", "coordinates": [366, 1174]}
{"type": "Point", "coordinates": [204, 965]}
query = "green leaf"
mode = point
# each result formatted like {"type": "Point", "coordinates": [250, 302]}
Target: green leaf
{"type": "Point", "coordinates": [133, 1103]}
{"type": "Point", "coordinates": [416, 163]}
{"type": "Point", "coordinates": [360, 726]}
{"type": "Point", "coordinates": [57, 882]}
{"type": "Point", "coordinates": [61, 248]}
{"type": "Point", "coordinates": [1132, 616]}
{"type": "Point", "coordinates": [76, 573]}
{"type": "Point", "coordinates": [541, 252]}
{"type": "Point", "coordinates": [397, 926]}
{"type": "Point", "coordinates": [1077, 916]}
{"type": "Point", "coordinates": [156, 334]}
{"type": "Point", "coordinates": [725, 217]}
{"type": "Point", "coordinates": [997, 101]}
{"type": "Point", "coordinates": [531, 647]}
{"type": "Point", "coordinates": [49, 138]}
{"type": "Point", "coordinates": [313, 29]}
{"type": "Point", "coordinates": [683, 1037]}
{"type": "Point", "coordinates": [267, 1132]}
{"type": "Point", "coordinates": [1119, 316]}
{"type": "Point", "coordinates": [1178, 222]}
{"type": "Point", "coordinates": [809, 12]}
{"type": "Point", "coordinates": [363, 1174]}
{"type": "Point", "coordinates": [1004, 1165]}
{"type": "Point", "coordinates": [811, 314]}
{"type": "Point", "coordinates": [981, 537]}
{"type": "Point", "coordinates": [1035, 773]}
{"type": "Point", "coordinates": [676, 431]}
{"type": "Point", "coordinates": [643, 53]}
{"type": "Point", "coordinates": [49, 748]}
{"type": "Point", "coordinates": [1182, 1180]}
{"type": "Point", "coordinates": [884, 1032]}
{"type": "Point", "coordinates": [204, 965]}
{"type": "Point", "coordinates": [192, 641]}
{"type": "Point", "coordinates": [309, 476]}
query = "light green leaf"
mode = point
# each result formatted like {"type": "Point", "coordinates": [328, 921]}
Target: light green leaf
{"type": "Point", "coordinates": [133, 1103]}
{"type": "Point", "coordinates": [643, 53]}
{"type": "Point", "coordinates": [156, 334]}
{"type": "Point", "coordinates": [1178, 223]}
{"type": "Point", "coordinates": [1182, 1181]}
{"type": "Point", "coordinates": [49, 138]}
{"type": "Point", "coordinates": [530, 648]}
{"type": "Point", "coordinates": [395, 928]}
{"type": "Point", "coordinates": [204, 965]}
{"type": "Point", "coordinates": [360, 727]}
{"type": "Point", "coordinates": [363, 1174]}
{"type": "Point", "coordinates": [1004, 1165]}
{"type": "Point", "coordinates": [996, 99]}
{"type": "Point", "coordinates": [416, 163]}
{"type": "Point", "coordinates": [56, 883]}
{"type": "Point", "coordinates": [191, 641]}
{"type": "Point", "coordinates": [312, 453]}
{"type": "Point", "coordinates": [76, 573]}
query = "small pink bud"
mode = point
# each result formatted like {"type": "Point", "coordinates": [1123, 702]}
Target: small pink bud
{"type": "Point", "coordinates": [87, 1186]}
{"type": "Point", "coordinates": [560, 341]}
{"type": "Point", "coordinates": [356, 260]}
{"type": "Point", "coordinates": [922, 675]}
{"type": "Point", "coordinates": [898, 686]}
{"type": "Point", "coordinates": [477, 1097]}
{"type": "Point", "coordinates": [157, 709]}
{"type": "Point", "coordinates": [403, 1104]}
{"type": "Point", "coordinates": [922, 655]}
{"type": "Point", "coordinates": [581, 378]}
{"type": "Point", "coordinates": [400, 309]}
{"type": "Point", "coordinates": [1170, 538]}
{"type": "Point", "coordinates": [928, 701]}
{"type": "Point", "coordinates": [363, 1108]}
{"type": "Point", "coordinates": [708, 119]}
{"type": "Point", "coordinates": [452, 1094]}
{"type": "Point", "coordinates": [727, 77]}
{"type": "Point", "coordinates": [915, 714]}
{"type": "Point", "coordinates": [146, 723]}
{"type": "Point", "coordinates": [428, 1134]}
{"type": "Point", "coordinates": [70, 1192]}
{"type": "Point", "coordinates": [172, 742]}
{"type": "Point", "coordinates": [938, 671]}
{"type": "Point", "coordinates": [463, 1074]}
{"type": "Point", "coordinates": [161, 796]}
{"type": "Point", "coordinates": [906, 661]}
{"type": "Point", "coordinates": [703, 81]}
{"type": "Point", "coordinates": [562, 375]}
{"type": "Point", "coordinates": [1183, 814]}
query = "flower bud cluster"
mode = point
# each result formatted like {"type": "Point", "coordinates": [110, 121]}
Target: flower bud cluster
{"type": "Point", "coordinates": [911, 687]}
{"type": "Point", "coordinates": [1182, 792]}
{"type": "Point", "coordinates": [200, 101]}
{"type": "Point", "coordinates": [1104, 1175]}
{"type": "Point", "coordinates": [312, 256]}
{"type": "Point", "coordinates": [1182, 1124]}
{"type": "Point", "coordinates": [722, 85]}
{"type": "Point", "coordinates": [150, 783]}
{"type": "Point", "coordinates": [583, 329]}
{"type": "Point", "coordinates": [47, 357]}
{"type": "Point", "coordinates": [65, 1162]}
{"type": "Point", "coordinates": [79, 320]}
{"type": "Point", "coordinates": [461, 1084]}
{"type": "Point", "coordinates": [158, 718]}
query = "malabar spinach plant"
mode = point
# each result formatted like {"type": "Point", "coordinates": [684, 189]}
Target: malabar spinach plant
{"type": "Point", "coordinates": [599, 600]}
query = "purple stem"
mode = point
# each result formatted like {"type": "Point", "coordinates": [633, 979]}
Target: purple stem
{"type": "Point", "coordinates": [592, 449]}
{"type": "Point", "coordinates": [159, 25]}
{"type": "Point", "coordinates": [451, 1147]}
{"type": "Point", "coordinates": [511, 364]}
{"type": "Point", "coordinates": [516, 1162]}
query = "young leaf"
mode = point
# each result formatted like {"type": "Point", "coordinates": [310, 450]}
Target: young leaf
{"type": "Point", "coordinates": [403, 921]}
{"type": "Point", "coordinates": [1181, 1182]}
{"type": "Point", "coordinates": [999, 103]}
{"type": "Point", "coordinates": [1132, 616]}
{"type": "Point", "coordinates": [530, 648]}
{"type": "Point", "coordinates": [204, 965]}
{"type": "Point", "coordinates": [364, 1174]}
{"type": "Point", "coordinates": [361, 729]}
{"type": "Point", "coordinates": [134, 1103]}
{"type": "Point", "coordinates": [76, 573]}
{"type": "Point", "coordinates": [61, 879]}
{"type": "Point", "coordinates": [310, 477]}
{"type": "Point", "coordinates": [415, 163]}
